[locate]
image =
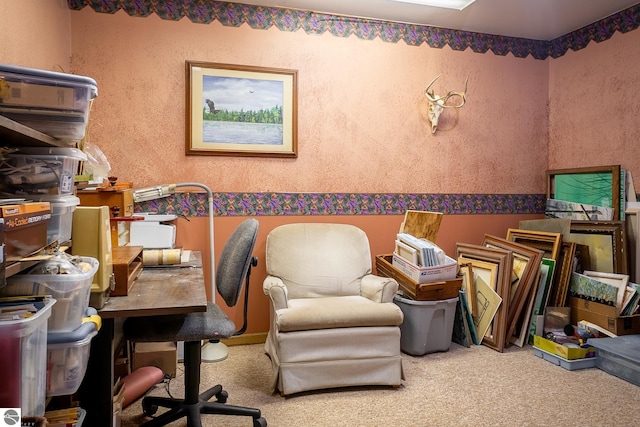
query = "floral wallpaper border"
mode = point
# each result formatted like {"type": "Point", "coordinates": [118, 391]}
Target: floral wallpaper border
{"type": "Point", "coordinates": [194, 204]}
{"type": "Point", "coordinates": [259, 17]}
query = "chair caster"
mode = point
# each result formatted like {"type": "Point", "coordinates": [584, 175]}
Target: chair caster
{"type": "Point", "coordinates": [260, 422]}
{"type": "Point", "coordinates": [222, 397]}
{"type": "Point", "coordinates": [149, 408]}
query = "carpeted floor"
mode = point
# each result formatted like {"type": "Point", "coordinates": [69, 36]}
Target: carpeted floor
{"type": "Point", "coordinates": [473, 386]}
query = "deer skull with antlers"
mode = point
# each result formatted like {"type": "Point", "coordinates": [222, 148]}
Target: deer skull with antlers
{"type": "Point", "coordinates": [438, 103]}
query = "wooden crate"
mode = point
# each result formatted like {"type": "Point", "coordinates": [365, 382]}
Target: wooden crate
{"type": "Point", "coordinates": [127, 265]}
{"type": "Point", "coordinates": [431, 291]}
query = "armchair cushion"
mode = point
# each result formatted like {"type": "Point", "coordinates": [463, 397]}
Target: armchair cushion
{"type": "Point", "coordinates": [336, 312]}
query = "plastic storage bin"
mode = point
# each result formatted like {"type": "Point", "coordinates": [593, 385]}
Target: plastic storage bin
{"type": "Point", "coordinates": [619, 356]}
{"type": "Point", "coordinates": [569, 365]}
{"type": "Point", "coordinates": [56, 104]}
{"type": "Point", "coordinates": [62, 208]}
{"type": "Point", "coordinates": [42, 170]}
{"type": "Point", "coordinates": [427, 326]}
{"type": "Point", "coordinates": [23, 362]}
{"type": "Point", "coordinates": [72, 292]}
{"type": "Point", "coordinates": [67, 357]}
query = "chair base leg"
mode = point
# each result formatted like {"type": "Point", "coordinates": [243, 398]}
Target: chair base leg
{"type": "Point", "coordinates": [179, 408]}
{"type": "Point", "coordinates": [195, 404]}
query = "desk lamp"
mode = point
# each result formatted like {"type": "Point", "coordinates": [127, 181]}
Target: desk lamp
{"type": "Point", "coordinates": [213, 351]}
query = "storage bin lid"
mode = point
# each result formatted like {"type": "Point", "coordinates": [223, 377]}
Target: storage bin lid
{"type": "Point", "coordinates": [57, 201]}
{"type": "Point", "coordinates": [402, 299]}
{"type": "Point", "coordinates": [26, 326]}
{"type": "Point", "coordinates": [84, 331]}
{"type": "Point", "coordinates": [627, 346]}
{"type": "Point", "coordinates": [53, 77]}
{"type": "Point", "coordinates": [73, 153]}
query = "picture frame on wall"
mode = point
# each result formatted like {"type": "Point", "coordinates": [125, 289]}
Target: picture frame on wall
{"type": "Point", "coordinates": [240, 110]}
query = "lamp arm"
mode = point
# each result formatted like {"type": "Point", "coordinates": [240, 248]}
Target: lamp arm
{"type": "Point", "coordinates": [212, 256]}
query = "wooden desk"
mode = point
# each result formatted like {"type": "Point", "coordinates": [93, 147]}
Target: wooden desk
{"type": "Point", "coordinates": [157, 291]}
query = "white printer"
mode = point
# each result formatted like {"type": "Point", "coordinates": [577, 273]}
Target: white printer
{"type": "Point", "coordinates": [153, 232]}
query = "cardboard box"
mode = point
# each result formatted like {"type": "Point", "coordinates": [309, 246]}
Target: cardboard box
{"type": "Point", "coordinates": [565, 352]}
{"type": "Point", "coordinates": [431, 291]}
{"type": "Point", "coordinates": [163, 355]}
{"type": "Point", "coordinates": [25, 228]}
{"type": "Point", "coordinates": [602, 315]}
{"type": "Point", "coordinates": [426, 274]}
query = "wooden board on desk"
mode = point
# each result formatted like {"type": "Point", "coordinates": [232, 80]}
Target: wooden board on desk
{"type": "Point", "coordinates": [127, 265]}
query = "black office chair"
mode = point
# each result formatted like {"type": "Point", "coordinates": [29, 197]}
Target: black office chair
{"type": "Point", "coordinates": [233, 269]}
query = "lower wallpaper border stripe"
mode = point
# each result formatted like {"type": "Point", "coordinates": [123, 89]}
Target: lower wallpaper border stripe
{"type": "Point", "coordinates": [194, 204]}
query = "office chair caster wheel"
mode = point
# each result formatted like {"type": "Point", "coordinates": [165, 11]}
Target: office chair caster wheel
{"type": "Point", "coordinates": [149, 408]}
{"type": "Point", "coordinates": [222, 397]}
{"type": "Point", "coordinates": [260, 422]}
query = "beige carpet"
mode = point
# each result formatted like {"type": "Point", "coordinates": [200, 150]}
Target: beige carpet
{"type": "Point", "coordinates": [461, 387]}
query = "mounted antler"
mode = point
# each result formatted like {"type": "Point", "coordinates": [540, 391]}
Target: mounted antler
{"type": "Point", "coordinates": [438, 103]}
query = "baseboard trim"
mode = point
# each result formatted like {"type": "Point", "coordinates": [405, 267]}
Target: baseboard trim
{"type": "Point", "coordinates": [245, 339]}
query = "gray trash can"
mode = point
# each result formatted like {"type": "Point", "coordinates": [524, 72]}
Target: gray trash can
{"type": "Point", "coordinates": [427, 325]}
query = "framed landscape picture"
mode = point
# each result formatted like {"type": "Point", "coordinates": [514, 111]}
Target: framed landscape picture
{"type": "Point", "coordinates": [239, 110]}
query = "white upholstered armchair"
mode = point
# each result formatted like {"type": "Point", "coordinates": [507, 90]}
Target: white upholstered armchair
{"type": "Point", "coordinates": [333, 323]}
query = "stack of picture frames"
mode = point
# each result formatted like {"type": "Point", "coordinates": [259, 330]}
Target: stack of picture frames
{"type": "Point", "coordinates": [500, 278]}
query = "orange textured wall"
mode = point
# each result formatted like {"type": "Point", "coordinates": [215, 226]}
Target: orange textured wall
{"type": "Point", "coordinates": [36, 34]}
{"type": "Point", "coordinates": [362, 112]}
{"type": "Point", "coordinates": [595, 104]}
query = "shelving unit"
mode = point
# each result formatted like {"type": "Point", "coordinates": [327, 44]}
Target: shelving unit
{"type": "Point", "coordinates": [14, 134]}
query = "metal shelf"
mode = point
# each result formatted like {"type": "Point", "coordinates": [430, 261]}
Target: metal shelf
{"type": "Point", "coordinates": [16, 134]}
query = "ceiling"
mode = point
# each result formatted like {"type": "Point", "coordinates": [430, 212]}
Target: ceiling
{"type": "Point", "coordinates": [531, 19]}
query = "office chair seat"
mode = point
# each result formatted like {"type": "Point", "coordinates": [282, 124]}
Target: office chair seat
{"type": "Point", "coordinates": [234, 268]}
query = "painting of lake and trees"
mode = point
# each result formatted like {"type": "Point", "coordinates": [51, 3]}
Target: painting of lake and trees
{"type": "Point", "coordinates": [242, 110]}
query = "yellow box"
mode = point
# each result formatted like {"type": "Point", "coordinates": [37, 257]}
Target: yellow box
{"type": "Point", "coordinates": [561, 350]}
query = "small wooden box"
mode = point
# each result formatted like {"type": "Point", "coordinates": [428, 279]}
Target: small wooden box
{"type": "Point", "coordinates": [431, 291]}
{"type": "Point", "coordinates": [127, 265]}
{"type": "Point", "coordinates": [123, 199]}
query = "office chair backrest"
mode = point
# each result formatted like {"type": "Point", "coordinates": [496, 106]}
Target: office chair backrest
{"type": "Point", "coordinates": [236, 260]}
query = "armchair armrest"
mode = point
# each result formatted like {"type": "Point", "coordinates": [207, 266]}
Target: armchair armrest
{"type": "Point", "coordinates": [378, 289]}
{"type": "Point", "coordinates": [276, 290]}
